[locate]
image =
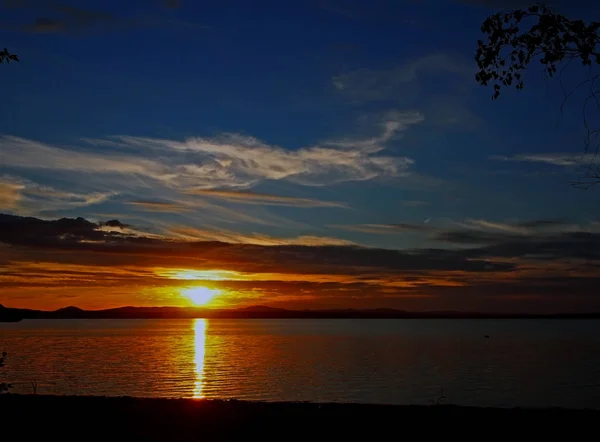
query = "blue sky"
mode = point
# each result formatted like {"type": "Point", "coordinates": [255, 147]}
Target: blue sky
{"type": "Point", "coordinates": [321, 122]}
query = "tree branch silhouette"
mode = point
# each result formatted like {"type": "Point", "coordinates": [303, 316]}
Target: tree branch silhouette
{"type": "Point", "coordinates": [7, 57]}
{"type": "Point", "coordinates": [517, 38]}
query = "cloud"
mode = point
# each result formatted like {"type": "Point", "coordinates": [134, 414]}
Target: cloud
{"type": "Point", "coordinates": [114, 223]}
{"type": "Point", "coordinates": [553, 271]}
{"type": "Point", "coordinates": [69, 232]}
{"type": "Point", "coordinates": [555, 159]}
{"type": "Point", "coordinates": [401, 82]}
{"type": "Point", "coordinates": [228, 236]}
{"type": "Point", "coordinates": [160, 206]}
{"type": "Point", "coordinates": [479, 231]}
{"type": "Point", "coordinates": [199, 245]}
{"type": "Point", "coordinates": [437, 84]}
{"type": "Point", "coordinates": [29, 154]}
{"type": "Point", "coordinates": [227, 161]}
{"type": "Point", "coordinates": [238, 161]}
{"type": "Point", "coordinates": [246, 197]}
{"type": "Point", "coordinates": [485, 232]}
{"type": "Point", "coordinates": [415, 203]}
{"type": "Point", "coordinates": [32, 198]}
{"type": "Point", "coordinates": [386, 229]}
{"type": "Point", "coordinates": [392, 124]}
{"type": "Point", "coordinates": [10, 193]}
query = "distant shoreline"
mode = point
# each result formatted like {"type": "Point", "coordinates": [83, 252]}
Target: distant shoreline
{"type": "Point", "coordinates": [124, 418]}
{"type": "Point", "coordinates": [262, 312]}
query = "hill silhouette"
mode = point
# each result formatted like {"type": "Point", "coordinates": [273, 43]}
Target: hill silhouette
{"type": "Point", "coordinates": [263, 312]}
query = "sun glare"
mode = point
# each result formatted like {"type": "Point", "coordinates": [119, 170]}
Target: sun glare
{"type": "Point", "coordinates": [200, 295]}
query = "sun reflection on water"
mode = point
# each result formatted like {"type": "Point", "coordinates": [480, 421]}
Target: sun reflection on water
{"type": "Point", "coordinates": [200, 326]}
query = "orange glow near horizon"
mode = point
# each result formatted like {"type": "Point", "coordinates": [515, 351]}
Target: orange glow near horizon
{"type": "Point", "coordinates": [200, 295]}
{"type": "Point", "coordinates": [199, 275]}
{"type": "Point", "coordinates": [200, 326]}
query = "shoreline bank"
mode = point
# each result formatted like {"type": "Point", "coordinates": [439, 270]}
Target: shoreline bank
{"type": "Point", "coordinates": [28, 417]}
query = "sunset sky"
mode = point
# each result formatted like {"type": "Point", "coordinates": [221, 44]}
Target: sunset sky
{"type": "Point", "coordinates": [301, 154]}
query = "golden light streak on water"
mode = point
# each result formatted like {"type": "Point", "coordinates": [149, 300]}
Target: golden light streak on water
{"type": "Point", "coordinates": [200, 326]}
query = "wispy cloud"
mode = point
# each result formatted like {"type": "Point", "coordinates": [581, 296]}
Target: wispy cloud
{"type": "Point", "coordinates": [29, 154]}
{"type": "Point", "coordinates": [10, 192]}
{"type": "Point", "coordinates": [479, 231]}
{"type": "Point", "coordinates": [246, 197]}
{"type": "Point", "coordinates": [32, 198]}
{"type": "Point", "coordinates": [228, 161]}
{"type": "Point", "coordinates": [393, 123]}
{"type": "Point", "coordinates": [415, 203]}
{"type": "Point", "coordinates": [408, 86]}
{"type": "Point", "coordinates": [555, 159]}
{"type": "Point", "coordinates": [393, 84]}
{"type": "Point", "coordinates": [227, 236]}
{"type": "Point", "coordinates": [233, 160]}
{"type": "Point", "coordinates": [474, 231]}
{"type": "Point", "coordinates": [386, 229]}
{"type": "Point", "coordinates": [160, 206]}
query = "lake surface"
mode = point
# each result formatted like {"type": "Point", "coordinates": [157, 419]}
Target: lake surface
{"type": "Point", "coordinates": [522, 363]}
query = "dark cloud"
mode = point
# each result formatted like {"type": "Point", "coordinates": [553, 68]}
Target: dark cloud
{"type": "Point", "coordinates": [548, 237]}
{"type": "Point", "coordinates": [544, 223]}
{"type": "Point", "coordinates": [562, 246]}
{"type": "Point", "coordinates": [82, 235]}
{"type": "Point", "coordinates": [542, 239]}
{"type": "Point", "coordinates": [29, 231]}
{"type": "Point", "coordinates": [473, 237]}
{"type": "Point", "coordinates": [54, 16]}
{"type": "Point", "coordinates": [115, 223]}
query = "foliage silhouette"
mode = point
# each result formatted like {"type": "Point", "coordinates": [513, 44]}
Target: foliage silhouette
{"type": "Point", "coordinates": [7, 57]}
{"type": "Point", "coordinates": [516, 38]}
{"type": "Point", "coordinates": [4, 386]}
{"type": "Point", "coordinates": [439, 399]}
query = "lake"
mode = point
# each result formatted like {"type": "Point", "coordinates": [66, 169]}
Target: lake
{"type": "Point", "coordinates": [522, 363]}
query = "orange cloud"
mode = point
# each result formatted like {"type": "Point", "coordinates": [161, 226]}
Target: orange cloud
{"type": "Point", "coordinates": [247, 197]}
{"type": "Point", "coordinates": [75, 261]}
{"type": "Point", "coordinates": [160, 206]}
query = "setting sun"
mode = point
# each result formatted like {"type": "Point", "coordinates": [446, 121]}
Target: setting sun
{"type": "Point", "coordinates": [200, 295]}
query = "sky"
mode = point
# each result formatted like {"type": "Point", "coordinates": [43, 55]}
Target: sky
{"type": "Point", "coordinates": [300, 154]}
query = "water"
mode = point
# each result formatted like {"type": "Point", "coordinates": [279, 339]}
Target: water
{"type": "Point", "coordinates": [523, 363]}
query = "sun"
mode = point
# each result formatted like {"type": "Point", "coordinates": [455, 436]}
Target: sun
{"type": "Point", "coordinates": [200, 295]}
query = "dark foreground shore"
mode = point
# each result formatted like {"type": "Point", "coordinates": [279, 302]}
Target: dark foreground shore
{"type": "Point", "coordinates": [99, 418]}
